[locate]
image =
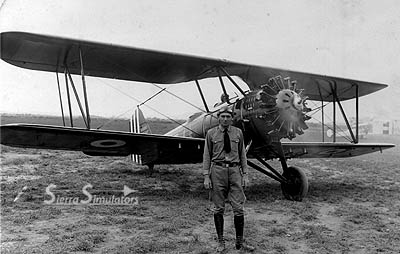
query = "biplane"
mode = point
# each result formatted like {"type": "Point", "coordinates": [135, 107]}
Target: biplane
{"type": "Point", "coordinates": [273, 109]}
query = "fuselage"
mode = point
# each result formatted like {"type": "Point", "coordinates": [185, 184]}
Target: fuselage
{"type": "Point", "coordinates": [259, 115]}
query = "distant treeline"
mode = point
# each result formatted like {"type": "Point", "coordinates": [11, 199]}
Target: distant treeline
{"type": "Point", "coordinates": [158, 126]}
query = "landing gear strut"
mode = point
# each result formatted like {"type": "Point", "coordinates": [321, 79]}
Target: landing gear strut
{"type": "Point", "coordinates": [294, 183]}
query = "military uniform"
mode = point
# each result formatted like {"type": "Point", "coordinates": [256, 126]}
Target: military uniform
{"type": "Point", "coordinates": [226, 168]}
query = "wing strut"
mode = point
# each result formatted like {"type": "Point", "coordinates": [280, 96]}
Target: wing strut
{"type": "Point", "coordinates": [222, 84]}
{"type": "Point", "coordinates": [77, 97]}
{"type": "Point", "coordinates": [334, 111]}
{"type": "Point", "coordinates": [322, 113]}
{"type": "Point", "coordinates": [233, 81]}
{"type": "Point", "coordinates": [84, 89]}
{"type": "Point", "coordinates": [69, 98]}
{"type": "Point", "coordinates": [202, 95]}
{"type": "Point", "coordinates": [68, 78]}
{"type": "Point", "coordinates": [346, 120]}
{"type": "Point", "coordinates": [59, 95]}
{"type": "Point", "coordinates": [336, 99]}
{"type": "Point", "coordinates": [357, 112]}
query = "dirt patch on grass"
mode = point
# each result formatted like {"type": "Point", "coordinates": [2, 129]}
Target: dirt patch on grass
{"type": "Point", "coordinates": [352, 207]}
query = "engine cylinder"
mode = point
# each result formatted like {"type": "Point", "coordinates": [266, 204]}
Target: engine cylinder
{"type": "Point", "coordinates": [278, 110]}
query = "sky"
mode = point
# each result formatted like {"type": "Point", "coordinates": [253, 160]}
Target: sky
{"type": "Point", "coordinates": [352, 39]}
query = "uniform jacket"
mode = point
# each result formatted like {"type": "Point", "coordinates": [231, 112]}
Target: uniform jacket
{"type": "Point", "coordinates": [214, 148]}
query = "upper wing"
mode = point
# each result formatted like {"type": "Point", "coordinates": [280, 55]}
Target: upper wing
{"type": "Point", "coordinates": [157, 149]}
{"type": "Point", "coordinates": [329, 150]}
{"type": "Point", "coordinates": [46, 53]}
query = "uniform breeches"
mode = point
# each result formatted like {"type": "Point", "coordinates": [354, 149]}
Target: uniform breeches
{"type": "Point", "coordinates": [227, 184]}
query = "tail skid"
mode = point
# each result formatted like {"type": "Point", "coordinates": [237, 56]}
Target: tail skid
{"type": "Point", "coordinates": [138, 124]}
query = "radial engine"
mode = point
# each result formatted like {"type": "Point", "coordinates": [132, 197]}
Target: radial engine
{"type": "Point", "coordinates": [277, 110]}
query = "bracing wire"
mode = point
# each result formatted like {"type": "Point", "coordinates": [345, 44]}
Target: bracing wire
{"type": "Point", "coordinates": [138, 101]}
{"type": "Point", "coordinates": [319, 108]}
{"type": "Point", "coordinates": [114, 117]}
{"type": "Point", "coordinates": [151, 97]}
{"type": "Point", "coordinates": [340, 129]}
{"type": "Point", "coordinates": [129, 71]}
{"type": "Point", "coordinates": [191, 104]}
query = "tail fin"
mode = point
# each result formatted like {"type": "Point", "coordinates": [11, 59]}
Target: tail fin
{"type": "Point", "coordinates": [138, 124]}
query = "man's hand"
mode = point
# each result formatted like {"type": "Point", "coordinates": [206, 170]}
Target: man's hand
{"type": "Point", "coordinates": [245, 181]}
{"type": "Point", "coordinates": [207, 182]}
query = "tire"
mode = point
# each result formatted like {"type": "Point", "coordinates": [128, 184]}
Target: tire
{"type": "Point", "coordinates": [297, 188]}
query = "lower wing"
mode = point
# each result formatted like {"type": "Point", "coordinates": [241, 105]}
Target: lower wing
{"type": "Point", "coordinates": [157, 149]}
{"type": "Point", "coordinates": [330, 150]}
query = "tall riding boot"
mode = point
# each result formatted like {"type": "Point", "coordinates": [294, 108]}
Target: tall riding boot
{"type": "Point", "coordinates": [219, 226]}
{"type": "Point", "coordinates": [239, 226]}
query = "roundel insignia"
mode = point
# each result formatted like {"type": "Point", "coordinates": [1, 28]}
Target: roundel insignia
{"type": "Point", "coordinates": [108, 143]}
{"type": "Point", "coordinates": [329, 133]}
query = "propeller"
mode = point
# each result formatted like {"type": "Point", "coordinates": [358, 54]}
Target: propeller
{"type": "Point", "coordinates": [286, 107]}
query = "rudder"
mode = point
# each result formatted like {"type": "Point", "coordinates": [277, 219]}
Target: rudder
{"type": "Point", "coordinates": [138, 124]}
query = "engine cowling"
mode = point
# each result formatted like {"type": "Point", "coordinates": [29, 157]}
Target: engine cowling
{"type": "Point", "coordinates": [278, 110]}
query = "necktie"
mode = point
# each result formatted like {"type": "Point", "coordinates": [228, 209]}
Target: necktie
{"type": "Point", "coordinates": [227, 141]}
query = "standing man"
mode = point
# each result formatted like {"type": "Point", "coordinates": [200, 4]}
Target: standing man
{"type": "Point", "coordinates": [225, 173]}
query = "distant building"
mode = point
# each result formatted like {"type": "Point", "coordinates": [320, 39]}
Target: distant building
{"type": "Point", "coordinates": [396, 127]}
{"type": "Point", "coordinates": [389, 127]}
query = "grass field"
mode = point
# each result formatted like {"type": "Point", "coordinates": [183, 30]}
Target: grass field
{"type": "Point", "coordinates": [118, 124]}
{"type": "Point", "coordinates": [353, 206]}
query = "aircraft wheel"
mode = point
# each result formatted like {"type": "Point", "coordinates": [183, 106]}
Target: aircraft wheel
{"type": "Point", "coordinates": [298, 184]}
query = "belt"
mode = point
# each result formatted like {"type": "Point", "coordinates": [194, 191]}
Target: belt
{"type": "Point", "coordinates": [226, 164]}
